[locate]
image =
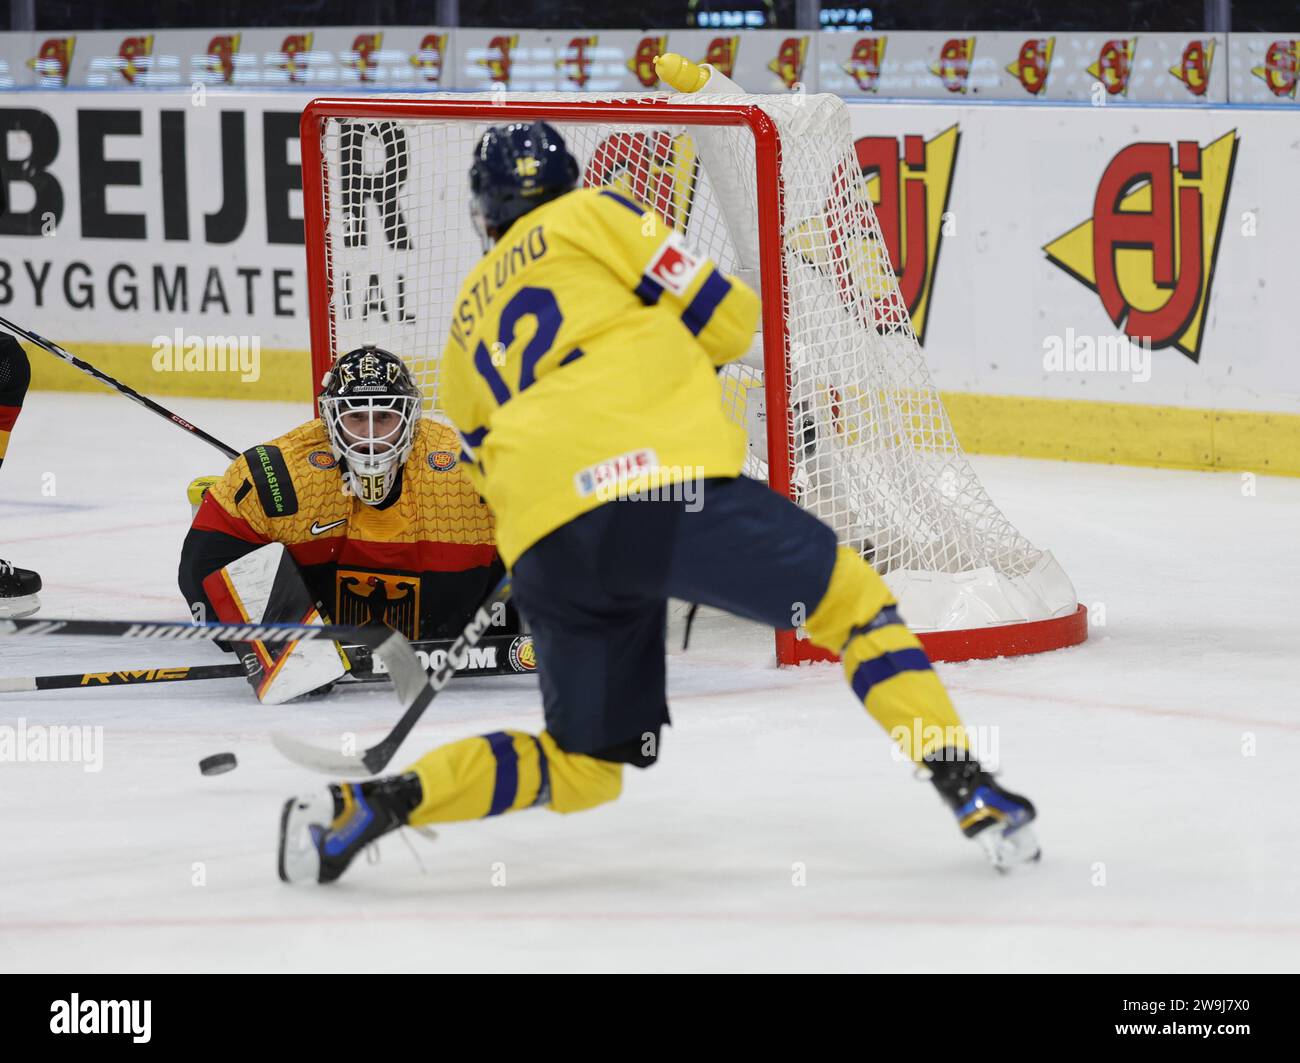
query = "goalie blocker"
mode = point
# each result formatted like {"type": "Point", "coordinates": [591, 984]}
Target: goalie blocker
{"type": "Point", "coordinates": [265, 587]}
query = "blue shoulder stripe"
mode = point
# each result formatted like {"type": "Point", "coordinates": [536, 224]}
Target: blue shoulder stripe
{"type": "Point", "coordinates": [470, 442]}
{"type": "Point", "coordinates": [706, 301]}
{"type": "Point", "coordinates": [631, 204]}
{"type": "Point", "coordinates": [648, 291]}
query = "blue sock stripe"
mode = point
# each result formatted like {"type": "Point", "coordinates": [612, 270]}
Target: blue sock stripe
{"type": "Point", "coordinates": [885, 618]}
{"type": "Point", "coordinates": [544, 768]}
{"type": "Point", "coordinates": [886, 666]}
{"type": "Point", "coordinates": [706, 301]}
{"type": "Point", "coordinates": [507, 782]}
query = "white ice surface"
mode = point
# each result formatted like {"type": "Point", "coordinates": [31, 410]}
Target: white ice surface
{"type": "Point", "coordinates": [1133, 746]}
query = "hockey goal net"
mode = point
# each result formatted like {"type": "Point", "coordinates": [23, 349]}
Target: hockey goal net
{"type": "Point", "coordinates": [840, 408]}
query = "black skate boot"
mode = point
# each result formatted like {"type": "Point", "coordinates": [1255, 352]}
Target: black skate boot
{"type": "Point", "coordinates": [321, 833]}
{"type": "Point", "coordinates": [997, 819]}
{"type": "Point", "coordinates": [18, 587]}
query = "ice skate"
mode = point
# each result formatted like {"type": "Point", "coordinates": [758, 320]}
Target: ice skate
{"type": "Point", "coordinates": [998, 819]}
{"type": "Point", "coordinates": [321, 833]}
{"type": "Point", "coordinates": [18, 591]}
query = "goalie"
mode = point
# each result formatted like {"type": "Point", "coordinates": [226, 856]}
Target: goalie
{"type": "Point", "coordinates": [362, 516]}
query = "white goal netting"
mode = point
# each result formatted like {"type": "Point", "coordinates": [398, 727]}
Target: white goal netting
{"type": "Point", "coordinates": [868, 446]}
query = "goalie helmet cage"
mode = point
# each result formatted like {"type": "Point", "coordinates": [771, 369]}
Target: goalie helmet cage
{"type": "Point", "coordinates": [841, 411]}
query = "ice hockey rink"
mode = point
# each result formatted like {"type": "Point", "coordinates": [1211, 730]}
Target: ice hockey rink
{"type": "Point", "coordinates": [777, 833]}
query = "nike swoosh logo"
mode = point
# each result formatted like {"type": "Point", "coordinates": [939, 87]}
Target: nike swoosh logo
{"type": "Point", "coordinates": [316, 529]}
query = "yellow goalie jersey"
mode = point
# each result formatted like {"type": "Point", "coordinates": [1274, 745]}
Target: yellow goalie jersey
{"type": "Point", "coordinates": [420, 563]}
{"type": "Point", "coordinates": [582, 363]}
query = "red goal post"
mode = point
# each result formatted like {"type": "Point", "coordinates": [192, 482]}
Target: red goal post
{"type": "Point", "coordinates": [332, 308]}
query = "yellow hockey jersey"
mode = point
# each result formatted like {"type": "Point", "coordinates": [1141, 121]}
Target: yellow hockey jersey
{"type": "Point", "coordinates": [582, 359]}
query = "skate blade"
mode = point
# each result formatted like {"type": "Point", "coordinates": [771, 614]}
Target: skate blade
{"type": "Point", "coordinates": [1010, 849]}
{"type": "Point", "coordinates": [298, 859]}
{"type": "Point", "coordinates": [17, 608]}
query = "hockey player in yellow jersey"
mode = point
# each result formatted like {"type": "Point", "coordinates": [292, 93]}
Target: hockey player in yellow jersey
{"type": "Point", "coordinates": [580, 372]}
{"type": "Point", "coordinates": [592, 284]}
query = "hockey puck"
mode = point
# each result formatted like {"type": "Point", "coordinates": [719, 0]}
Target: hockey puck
{"type": "Point", "coordinates": [218, 764]}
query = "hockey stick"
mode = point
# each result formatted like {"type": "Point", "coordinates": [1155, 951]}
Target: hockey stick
{"type": "Point", "coordinates": [362, 671]}
{"type": "Point", "coordinates": [116, 385]}
{"type": "Point", "coordinates": [98, 680]}
{"type": "Point", "coordinates": [387, 645]}
{"type": "Point", "coordinates": [416, 697]}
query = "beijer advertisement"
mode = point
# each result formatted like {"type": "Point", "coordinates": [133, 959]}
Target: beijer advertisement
{"type": "Point", "coordinates": [133, 216]}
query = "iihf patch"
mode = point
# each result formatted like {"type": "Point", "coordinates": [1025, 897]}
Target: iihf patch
{"type": "Point", "coordinates": [442, 460]}
{"type": "Point", "coordinates": [523, 657]}
{"type": "Point", "coordinates": [322, 459]}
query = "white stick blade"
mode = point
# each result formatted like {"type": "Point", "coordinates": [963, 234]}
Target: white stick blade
{"type": "Point", "coordinates": [328, 761]}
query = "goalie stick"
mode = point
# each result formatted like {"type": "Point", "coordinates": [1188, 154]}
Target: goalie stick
{"type": "Point", "coordinates": [415, 696]}
{"type": "Point", "coordinates": [510, 656]}
{"type": "Point", "coordinates": [85, 367]}
{"type": "Point", "coordinates": [387, 645]}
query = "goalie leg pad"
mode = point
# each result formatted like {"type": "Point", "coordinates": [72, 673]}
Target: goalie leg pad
{"type": "Point", "coordinates": [265, 587]}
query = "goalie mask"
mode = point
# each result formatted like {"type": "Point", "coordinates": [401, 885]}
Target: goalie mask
{"type": "Point", "coordinates": [370, 406]}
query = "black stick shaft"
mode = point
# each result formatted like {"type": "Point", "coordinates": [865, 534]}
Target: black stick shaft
{"type": "Point", "coordinates": [504, 663]}
{"type": "Point", "coordinates": [132, 677]}
{"type": "Point", "coordinates": [377, 757]}
{"type": "Point", "coordinates": [122, 389]}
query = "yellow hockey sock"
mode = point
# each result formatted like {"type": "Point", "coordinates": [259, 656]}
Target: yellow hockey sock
{"type": "Point", "coordinates": [884, 663]}
{"type": "Point", "coordinates": [507, 771]}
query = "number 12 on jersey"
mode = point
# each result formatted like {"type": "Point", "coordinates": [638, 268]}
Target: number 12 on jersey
{"type": "Point", "coordinates": [539, 304]}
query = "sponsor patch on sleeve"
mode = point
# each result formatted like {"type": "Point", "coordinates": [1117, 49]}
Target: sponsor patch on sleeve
{"type": "Point", "coordinates": [270, 475]}
{"type": "Point", "coordinates": [673, 266]}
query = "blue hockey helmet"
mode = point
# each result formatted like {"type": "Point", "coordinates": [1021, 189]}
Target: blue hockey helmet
{"type": "Point", "coordinates": [517, 168]}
